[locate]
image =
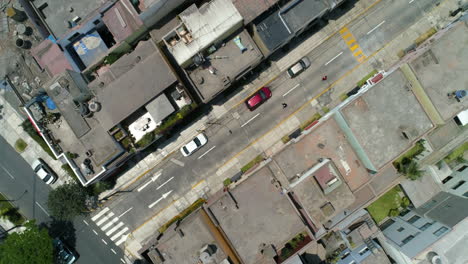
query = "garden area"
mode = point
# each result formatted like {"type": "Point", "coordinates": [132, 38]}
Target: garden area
{"type": "Point", "coordinates": [406, 163]}
{"type": "Point", "coordinates": [391, 204]}
{"type": "Point", "coordinates": [293, 245]}
{"type": "Point", "coordinates": [457, 155]}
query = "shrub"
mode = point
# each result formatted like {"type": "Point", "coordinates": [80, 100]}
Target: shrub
{"type": "Point", "coordinates": [146, 140]}
{"type": "Point", "coordinates": [393, 212]}
{"type": "Point", "coordinates": [101, 186]}
{"type": "Point", "coordinates": [285, 139]}
{"type": "Point", "coordinates": [314, 118]}
{"type": "Point", "coordinates": [227, 181]}
{"type": "Point", "coordinates": [70, 172]}
{"type": "Point", "coordinates": [252, 163]}
{"type": "Point", "coordinates": [14, 216]}
{"type": "Point", "coordinates": [20, 145]}
{"type": "Point", "coordinates": [71, 155]}
{"type": "Point", "coordinates": [405, 202]}
{"type": "Point", "coordinates": [31, 131]}
{"type": "Point", "coordinates": [364, 80]}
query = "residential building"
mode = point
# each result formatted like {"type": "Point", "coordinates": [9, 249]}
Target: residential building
{"type": "Point", "coordinates": [417, 235]}
{"type": "Point", "coordinates": [456, 182]}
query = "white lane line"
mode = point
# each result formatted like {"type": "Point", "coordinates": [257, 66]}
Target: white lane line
{"type": "Point", "coordinates": [112, 230]}
{"type": "Point", "coordinates": [411, 1]}
{"type": "Point", "coordinates": [105, 218]}
{"type": "Point", "coordinates": [100, 214]}
{"type": "Point", "coordinates": [123, 261]}
{"type": "Point", "coordinates": [42, 208]}
{"type": "Point", "coordinates": [178, 162]}
{"type": "Point", "coordinates": [95, 232]}
{"type": "Point", "coordinates": [86, 222]}
{"type": "Point", "coordinates": [125, 212]}
{"type": "Point", "coordinates": [376, 27]}
{"type": "Point", "coordinates": [295, 86]}
{"type": "Point", "coordinates": [121, 240]}
{"type": "Point", "coordinates": [160, 186]}
{"type": "Point", "coordinates": [119, 233]}
{"type": "Point", "coordinates": [250, 120]}
{"type": "Point", "coordinates": [9, 174]}
{"type": "Point", "coordinates": [113, 251]}
{"type": "Point", "coordinates": [103, 241]}
{"type": "Point", "coordinates": [164, 196]}
{"type": "Point", "coordinates": [339, 54]}
{"type": "Point", "coordinates": [155, 177]}
{"type": "Point", "coordinates": [110, 223]}
{"type": "Point", "coordinates": [201, 156]}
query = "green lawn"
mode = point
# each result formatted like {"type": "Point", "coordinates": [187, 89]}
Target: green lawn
{"type": "Point", "coordinates": [458, 152]}
{"type": "Point", "coordinates": [410, 154]}
{"type": "Point", "coordinates": [381, 207]}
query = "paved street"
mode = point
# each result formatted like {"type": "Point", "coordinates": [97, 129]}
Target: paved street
{"type": "Point", "coordinates": [342, 52]}
{"type": "Point", "coordinates": [17, 177]}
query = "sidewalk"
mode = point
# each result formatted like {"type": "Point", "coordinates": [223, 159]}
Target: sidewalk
{"type": "Point", "coordinates": [270, 143]}
{"type": "Point", "coordinates": [11, 131]}
{"type": "Point", "coordinates": [263, 79]}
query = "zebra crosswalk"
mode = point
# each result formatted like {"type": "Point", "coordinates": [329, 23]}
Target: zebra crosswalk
{"type": "Point", "coordinates": [111, 225]}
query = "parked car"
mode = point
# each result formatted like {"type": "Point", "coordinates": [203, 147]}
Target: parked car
{"type": "Point", "coordinates": [298, 67]}
{"type": "Point", "coordinates": [195, 144]}
{"type": "Point", "coordinates": [63, 254]}
{"type": "Point", "coordinates": [258, 98]}
{"type": "Point", "coordinates": [45, 173]}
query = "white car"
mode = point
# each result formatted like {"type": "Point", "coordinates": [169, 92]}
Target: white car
{"type": "Point", "coordinates": [44, 172]}
{"type": "Point", "coordinates": [196, 143]}
{"type": "Point", "coordinates": [299, 67]}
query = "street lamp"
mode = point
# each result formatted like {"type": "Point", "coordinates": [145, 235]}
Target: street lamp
{"type": "Point", "coordinates": [14, 200]}
{"type": "Point", "coordinates": [216, 123]}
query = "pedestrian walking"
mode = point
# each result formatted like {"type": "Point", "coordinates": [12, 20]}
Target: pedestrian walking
{"type": "Point", "coordinates": [324, 78]}
{"type": "Point", "coordinates": [285, 105]}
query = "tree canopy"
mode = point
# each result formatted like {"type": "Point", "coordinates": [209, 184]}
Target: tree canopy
{"type": "Point", "coordinates": [31, 246]}
{"type": "Point", "coordinates": [67, 201]}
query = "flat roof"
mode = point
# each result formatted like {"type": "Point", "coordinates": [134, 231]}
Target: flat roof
{"type": "Point", "coordinates": [122, 20]}
{"type": "Point", "coordinates": [442, 70]}
{"type": "Point", "coordinates": [446, 208]}
{"type": "Point", "coordinates": [130, 83]}
{"type": "Point", "coordinates": [50, 57]}
{"type": "Point", "coordinates": [57, 13]}
{"type": "Point", "coordinates": [186, 249]}
{"type": "Point", "coordinates": [160, 108]}
{"type": "Point", "coordinates": [387, 119]}
{"type": "Point", "coordinates": [252, 9]}
{"type": "Point", "coordinates": [276, 28]}
{"type": "Point", "coordinates": [230, 64]}
{"type": "Point", "coordinates": [320, 205]}
{"type": "Point", "coordinates": [200, 27]}
{"type": "Point", "coordinates": [77, 134]}
{"type": "Point", "coordinates": [325, 141]}
{"type": "Point", "coordinates": [265, 216]}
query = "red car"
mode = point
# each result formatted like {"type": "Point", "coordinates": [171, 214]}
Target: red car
{"type": "Point", "coordinates": [258, 98]}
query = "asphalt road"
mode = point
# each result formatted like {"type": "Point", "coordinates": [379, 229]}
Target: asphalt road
{"type": "Point", "coordinates": [16, 177]}
{"type": "Point", "coordinates": [177, 174]}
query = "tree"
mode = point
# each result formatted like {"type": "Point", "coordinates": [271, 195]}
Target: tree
{"type": "Point", "coordinates": [67, 201]}
{"type": "Point", "coordinates": [411, 170]}
{"type": "Point", "coordinates": [31, 246]}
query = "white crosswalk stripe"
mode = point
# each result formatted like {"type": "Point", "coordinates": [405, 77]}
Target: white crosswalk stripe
{"type": "Point", "coordinates": [111, 224]}
{"type": "Point", "coordinates": [113, 229]}
{"type": "Point", "coordinates": [121, 232]}
{"type": "Point", "coordinates": [105, 218]}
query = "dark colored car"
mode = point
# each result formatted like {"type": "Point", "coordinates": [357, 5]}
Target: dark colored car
{"type": "Point", "coordinates": [63, 254]}
{"type": "Point", "coordinates": [258, 98]}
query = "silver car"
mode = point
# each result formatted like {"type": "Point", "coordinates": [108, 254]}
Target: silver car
{"type": "Point", "coordinates": [43, 171]}
{"type": "Point", "coordinates": [298, 67]}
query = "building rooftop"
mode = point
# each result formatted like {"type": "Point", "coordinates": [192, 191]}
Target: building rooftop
{"type": "Point", "coordinates": [442, 71]}
{"type": "Point", "coordinates": [252, 9]}
{"type": "Point", "coordinates": [387, 119]}
{"type": "Point", "coordinates": [320, 204]}
{"type": "Point", "coordinates": [264, 216]}
{"type": "Point", "coordinates": [130, 83]}
{"type": "Point", "coordinates": [77, 134]}
{"type": "Point", "coordinates": [51, 58]}
{"type": "Point", "coordinates": [201, 27]}
{"type": "Point", "coordinates": [122, 20]}
{"type": "Point", "coordinates": [446, 208]}
{"type": "Point", "coordinates": [326, 141]}
{"type": "Point", "coordinates": [279, 26]}
{"type": "Point", "coordinates": [229, 62]}
{"type": "Point", "coordinates": [187, 248]}
{"type": "Point", "coordinates": [58, 14]}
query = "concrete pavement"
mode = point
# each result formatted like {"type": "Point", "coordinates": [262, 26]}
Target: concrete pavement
{"type": "Point", "coordinates": [382, 57]}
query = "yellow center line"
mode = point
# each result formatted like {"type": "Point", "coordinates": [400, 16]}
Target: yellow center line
{"type": "Point", "coordinates": [304, 105]}
{"type": "Point", "coordinates": [198, 183]}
